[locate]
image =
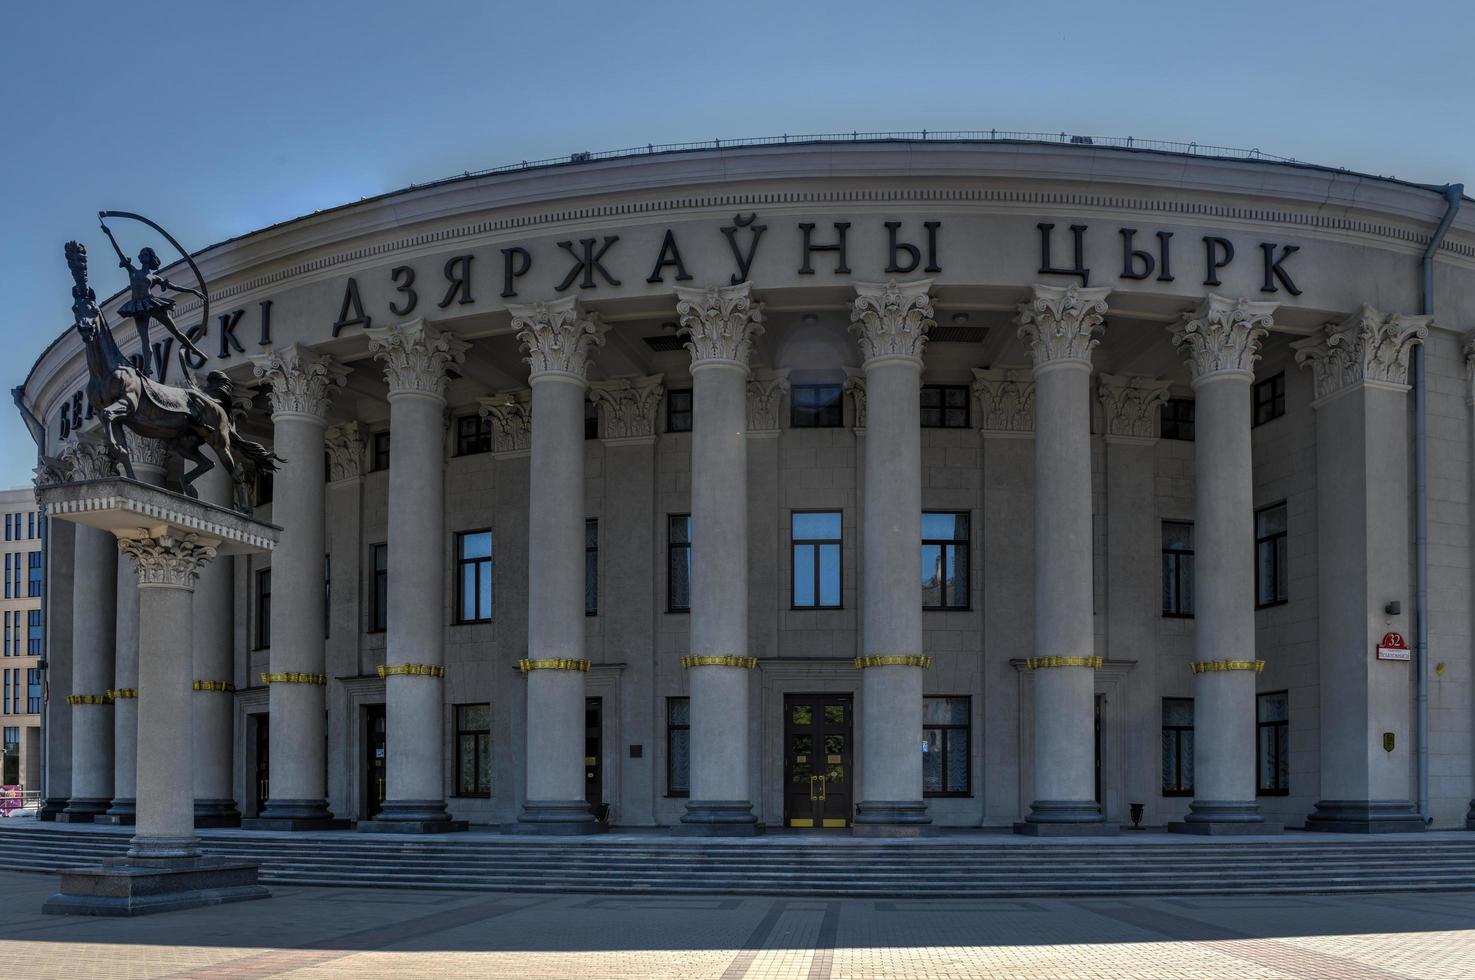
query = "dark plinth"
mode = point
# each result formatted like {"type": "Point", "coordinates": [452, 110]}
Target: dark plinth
{"type": "Point", "coordinates": [411, 817]}
{"type": "Point", "coordinates": [82, 811]}
{"type": "Point", "coordinates": [1223, 818]}
{"type": "Point", "coordinates": [294, 815]}
{"type": "Point", "coordinates": [216, 813]}
{"type": "Point", "coordinates": [1366, 817]}
{"type": "Point", "coordinates": [559, 817]}
{"type": "Point", "coordinates": [719, 818]}
{"type": "Point", "coordinates": [123, 812]}
{"type": "Point", "coordinates": [51, 809]}
{"type": "Point", "coordinates": [1065, 818]}
{"type": "Point", "coordinates": [1470, 817]}
{"type": "Point", "coordinates": [891, 818]}
{"type": "Point", "coordinates": [128, 886]}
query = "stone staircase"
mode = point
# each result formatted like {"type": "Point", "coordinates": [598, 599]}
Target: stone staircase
{"type": "Point", "coordinates": [977, 866]}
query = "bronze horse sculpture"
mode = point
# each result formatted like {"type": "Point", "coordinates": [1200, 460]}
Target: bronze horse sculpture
{"type": "Point", "coordinates": [185, 419]}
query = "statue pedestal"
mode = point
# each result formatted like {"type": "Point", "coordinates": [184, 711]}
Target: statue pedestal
{"type": "Point", "coordinates": [168, 537]}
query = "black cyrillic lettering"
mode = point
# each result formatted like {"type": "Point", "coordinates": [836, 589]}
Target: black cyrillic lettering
{"type": "Point", "coordinates": [352, 302]}
{"type": "Point", "coordinates": [913, 253]}
{"type": "Point", "coordinates": [588, 263]}
{"type": "Point", "coordinates": [807, 228]}
{"type": "Point", "coordinates": [1078, 234]}
{"type": "Point", "coordinates": [1164, 272]}
{"type": "Point", "coordinates": [670, 255]}
{"type": "Point", "coordinates": [407, 274]}
{"type": "Point", "coordinates": [1218, 252]}
{"type": "Point", "coordinates": [744, 262]}
{"type": "Point", "coordinates": [194, 333]}
{"type": "Point", "coordinates": [265, 323]}
{"type": "Point", "coordinates": [512, 270]}
{"type": "Point", "coordinates": [458, 275]}
{"type": "Point", "coordinates": [1273, 271]}
{"type": "Point", "coordinates": [228, 323]}
{"type": "Point", "coordinates": [1136, 264]}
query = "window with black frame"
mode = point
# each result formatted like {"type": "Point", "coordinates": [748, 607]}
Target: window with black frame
{"type": "Point", "coordinates": [1177, 419]}
{"type": "Point", "coordinates": [473, 750]}
{"type": "Point", "coordinates": [816, 407]}
{"type": "Point", "coordinates": [379, 588]}
{"type": "Point", "coordinates": [33, 633]}
{"type": "Point", "coordinates": [678, 410]}
{"type": "Point", "coordinates": [473, 435]}
{"type": "Point", "coordinates": [1273, 743]}
{"type": "Point", "coordinates": [945, 560]}
{"type": "Point", "coordinates": [263, 609]}
{"type": "Point", "coordinates": [1271, 556]}
{"type": "Point", "coordinates": [33, 691]}
{"type": "Point", "coordinates": [1270, 398]}
{"type": "Point", "coordinates": [1177, 746]}
{"type": "Point", "coordinates": [381, 451]}
{"type": "Point", "coordinates": [591, 419]}
{"type": "Point", "coordinates": [33, 588]}
{"type": "Point", "coordinates": [591, 567]}
{"type": "Point", "coordinates": [678, 563]}
{"type": "Point", "coordinates": [1177, 569]}
{"type": "Point", "coordinates": [945, 406]}
{"type": "Point", "coordinates": [816, 559]}
{"type": "Point", "coordinates": [678, 746]}
{"type": "Point", "coordinates": [474, 577]}
{"type": "Point", "coordinates": [946, 737]}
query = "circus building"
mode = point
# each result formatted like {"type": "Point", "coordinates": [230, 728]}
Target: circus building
{"type": "Point", "coordinates": [872, 485]}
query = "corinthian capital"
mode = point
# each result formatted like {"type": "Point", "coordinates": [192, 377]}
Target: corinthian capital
{"type": "Point", "coordinates": [629, 406]}
{"type": "Point", "coordinates": [301, 380]}
{"type": "Point", "coordinates": [892, 319]}
{"type": "Point", "coordinates": [557, 336]}
{"type": "Point", "coordinates": [1223, 336]}
{"type": "Point", "coordinates": [1367, 347]}
{"type": "Point", "coordinates": [345, 446]}
{"type": "Point", "coordinates": [147, 452]}
{"type": "Point", "coordinates": [167, 559]}
{"type": "Point", "coordinates": [80, 460]}
{"type": "Point", "coordinates": [416, 356]}
{"type": "Point", "coordinates": [1130, 406]}
{"type": "Point", "coordinates": [720, 323]}
{"type": "Point", "coordinates": [1007, 398]}
{"type": "Point", "coordinates": [766, 394]}
{"type": "Point", "coordinates": [511, 413]}
{"type": "Point", "coordinates": [1059, 323]}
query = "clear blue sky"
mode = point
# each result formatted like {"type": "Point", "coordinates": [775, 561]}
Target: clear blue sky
{"type": "Point", "coordinates": [218, 118]}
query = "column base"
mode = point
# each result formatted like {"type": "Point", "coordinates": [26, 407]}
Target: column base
{"type": "Point", "coordinates": [1065, 818]}
{"type": "Point", "coordinates": [122, 813]}
{"type": "Point", "coordinates": [892, 818]}
{"type": "Point", "coordinates": [50, 809]}
{"type": "Point", "coordinates": [719, 818]}
{"type": "Point", "coordinates": [128, 886]}
{"type": "Point", "coordinates": [83, 810]}
{"type": "Point", "coordinates": [568, 817]}
{"type": "Point", "coordinates": [1470, 817]}
{"type": "Point", "coordinates": [411, 817]}
{"type": "Point", "coordinates": [1366, 817]}
{"type": "Point", "coordinates": [1223, 818]}
{"type": "Point", "coordinates": [294, 815]}
{"type": "Point", "coordinates": [216, 813]}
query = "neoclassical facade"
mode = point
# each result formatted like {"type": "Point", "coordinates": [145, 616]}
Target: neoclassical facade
{"type": "Point", "coordinates": [875, 487]}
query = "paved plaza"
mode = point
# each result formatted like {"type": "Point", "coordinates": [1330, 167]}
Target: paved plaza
{"type": "Point", "coordinates": [321, 933]}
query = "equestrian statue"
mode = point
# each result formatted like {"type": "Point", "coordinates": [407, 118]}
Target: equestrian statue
{"type": "Point", "coordinates": [123, 396]}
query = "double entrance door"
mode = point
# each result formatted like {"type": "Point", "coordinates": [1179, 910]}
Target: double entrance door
{"type": "Point", "coordinates": [818, 750]}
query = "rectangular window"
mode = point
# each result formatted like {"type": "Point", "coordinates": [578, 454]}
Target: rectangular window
{"type": "Point", "coordinates": [33, 632]}
{"type": "Point", "coordinates": [34, 586]}
{"type": "Point", "coordinates": [474, 577]}
{"type": "Point", "coordinates": [263, 609]}
{"type": "Point", "coordinates": [261, 489]}
{"type": "Point", "coordinates": [1177, 419]}
{"type": "Point", "coordinates": [379, 593]}
{"type": "Point", "coordinates": [5, 649]}
{"type": "Point", "coordinates": [944, 560]}
{"type": "Point", "coordinates": [816, 407]}
{"type": "Point", "coordinates": [381, 451]}
{"type": "Point", "coordinates": [678, 746]}
{"type": "Point", "coordinates": [473, 750]}
{"type": "Point", "coordinates": [945, 406]}
{"type": "Point", "coordinates": [816, 559]}
{"type": "Point", "coordinates": [33, 691]}
{"type": "Point", "coordinates": [678, 563]}
{"type": "Point", "coordinates": [1271, 571]}
{"type": "Point", "coordinates": [591, 420]}
{"type": "Point", "coordinates": [945, 740]}
{"type": "Point", "coordinates": [678, 410]}
{"type": "Point", "coordinates": [31, 524]}
{"type": "Point", "coordinates": [1273, 743]}
{"type": "Point", "coordinates": [1177, 568]}
{"type": "Point", "coordinates": [5, 698]}
{"type": "Point", "coordinates": [7, 575]}
{"type": "Point", "coordinates": [7, 527]}
{"type": "Point", "coordinates": [1270, 398]}
{"type": "Point", "coordinates": [12, 739]}
{"type": "Point", "coordinates": [1177, 746]}
{"type": "Point", "coordinates": [473, 435]}
{"type": "Point", "coordinates": [591, 567]}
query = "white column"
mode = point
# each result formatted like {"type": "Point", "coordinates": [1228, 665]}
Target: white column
{"type": "Point", "coordinates": [213, 698]}
{"type": "Point", "coordinates": [1360, 372]}
{"type": "Point", "coordinates": [720, 325]}
{"type": "Point", "coordinates": [1059, 325]}
{"type": "Point", "coordinates": [891, 322]}
{"type": "Point", "coordinates": [165, 567]}
{"type": "Point", "coordinates": [415, 357]}
{"type": "Point", "coordinates": [557, 337]}
{"type": "Point", "coordinates": [1221, 342]}
{"type": "Point", "coordinates": [94, 605]}
{"type": "Point", "coordinates": [301, 385]}
{"type": "Point", "coordinates": [56, 720]}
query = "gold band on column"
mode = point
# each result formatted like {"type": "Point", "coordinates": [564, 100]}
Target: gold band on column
{"type": "Point", "coordinates": [556, 663]}
{"type": "Point", "coordinates": [89, 699]}
{"type": "Point", "coordinates": [124, 694]}
{"type": "Point", "coordinates": [747, 663]}
{"type": "Point", "coordinates": [293, 677]}
{"type": "Point", "coordinates": [1036, 663]}
{"type": "Point", "coordinates": [1214, 666]}
{"type": "Point", "coordinates": [893, 660]}
{"type": "Point", "coordinates": [414, 670]}
{"type": "Point", "coordinates": [225, 687]}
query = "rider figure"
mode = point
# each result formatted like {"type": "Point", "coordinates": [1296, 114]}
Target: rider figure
{"type": "Point", "coordinates": [144, 306]}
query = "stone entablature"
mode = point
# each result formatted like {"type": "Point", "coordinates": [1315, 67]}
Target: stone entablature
{"type": "Point", "coordinates": [1368, 347]}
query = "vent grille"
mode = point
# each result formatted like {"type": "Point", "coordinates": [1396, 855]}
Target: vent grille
{"type": "Point", "coordinates": [949, 334]}
{"type": "Point", "coordinates": [664, 343]}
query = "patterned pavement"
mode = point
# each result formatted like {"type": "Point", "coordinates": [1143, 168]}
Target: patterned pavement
{"type": "Point", "coordinates": [334, 934]}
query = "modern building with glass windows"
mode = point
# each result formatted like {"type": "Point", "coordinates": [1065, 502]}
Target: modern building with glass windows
{"type": "Point", "coordinates": [22, 643]}
{"type": "Point", "coordinates": [868, 485]}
